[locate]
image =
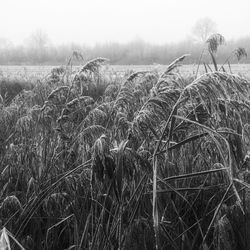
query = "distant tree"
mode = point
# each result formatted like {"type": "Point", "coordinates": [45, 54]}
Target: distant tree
{"type": "Point", "coordinates": [39, 39]}
{"type": "Point", "coordinates": [5, 43]}
{"type": "Point", "coordinates": [6, 47]}
{"type": "Point", "coordinates": [203, 28]}
{"type": "Point", "coordinates": [39, 42]}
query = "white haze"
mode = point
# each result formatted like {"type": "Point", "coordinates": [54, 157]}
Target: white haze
{"type": "Point", "coordinates": [101, 21]}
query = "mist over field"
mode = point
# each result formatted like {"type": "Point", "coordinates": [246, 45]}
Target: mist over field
{"type": "Point", "coordinates": [125, 32]}
{"type": "Point", "coordinates": [39, 50]}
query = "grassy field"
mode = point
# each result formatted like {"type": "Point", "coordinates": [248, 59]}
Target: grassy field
{"type": "Point", "coordinates": [38, 72]}
{"type": "Point", "coordinates": [148, 160]}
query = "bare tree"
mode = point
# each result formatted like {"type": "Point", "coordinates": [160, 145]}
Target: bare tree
{"type": "Point", "coordinates": [5, 43]}
{"type": "Point", "coordinates": [38, 39]}
{"type": "Point", "coordinates": [39, 43]}
{"type": "Point", "coordinates": [203, 28]}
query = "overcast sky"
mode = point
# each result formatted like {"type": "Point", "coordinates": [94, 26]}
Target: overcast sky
{"type": "Point", "coordinates": [100, 21]}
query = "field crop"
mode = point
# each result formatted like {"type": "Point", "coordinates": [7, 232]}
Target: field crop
{"type": "Point", "coordinates": [150, 160]}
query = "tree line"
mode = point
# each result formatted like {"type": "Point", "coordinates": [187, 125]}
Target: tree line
{"type": "Point", "coordinates": [39, 51]}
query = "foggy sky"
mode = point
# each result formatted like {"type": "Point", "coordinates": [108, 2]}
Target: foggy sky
{"type": "Point", "coordinates": [101, 21]}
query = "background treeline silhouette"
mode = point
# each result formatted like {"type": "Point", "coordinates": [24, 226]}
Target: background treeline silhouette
{"type": "Point", "coordinates": [134, 52]}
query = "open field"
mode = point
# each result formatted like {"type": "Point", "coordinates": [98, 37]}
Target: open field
{"type": "Point", "coordinates": [38, 72]}
{"type": "Point", "coordinates": [148, 160]}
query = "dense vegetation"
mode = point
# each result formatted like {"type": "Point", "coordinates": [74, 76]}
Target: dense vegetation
{"type": "Point", "coordinates": [151, 161]}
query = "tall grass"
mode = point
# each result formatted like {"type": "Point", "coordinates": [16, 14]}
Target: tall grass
{"type": "Point", "coordinates": [9, 88]}
{"type": "Point", "coordinates": [152, 161]}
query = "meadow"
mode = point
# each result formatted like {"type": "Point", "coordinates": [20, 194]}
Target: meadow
{"type": "Point", "coordinates": [38, 72]}
{"type": "Point", "coordinates": [150, 159]}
